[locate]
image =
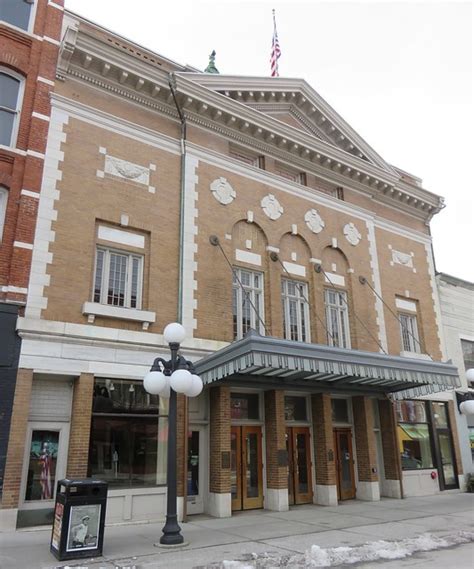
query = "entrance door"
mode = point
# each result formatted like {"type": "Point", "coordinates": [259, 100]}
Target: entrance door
{"type": "Point", "coordinates": [196, 462]}
{"type": "Point", "coordinates": [448, 478]}
{"type": "Point", "coordinates": [246, 468]}
{"type": "Point", "coordinates": [299, 465]}
{"type": "Point", "coordinates": [344, 464]}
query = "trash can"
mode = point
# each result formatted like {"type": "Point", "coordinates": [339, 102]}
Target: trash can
{"type": "Point", "coordinates": [79, 519]}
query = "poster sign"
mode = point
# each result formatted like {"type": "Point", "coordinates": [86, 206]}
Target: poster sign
{"type": "Point", "coordinates": [83, 531]}
{"type": "Point", "coordinates": [57, 525]}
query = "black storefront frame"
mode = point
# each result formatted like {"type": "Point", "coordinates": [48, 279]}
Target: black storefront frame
{"type": "Point", "coordinates": [435, 432]}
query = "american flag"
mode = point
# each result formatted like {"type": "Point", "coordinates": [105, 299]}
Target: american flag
{"type": "Point", "coordinates": [45, 476]}
{"type": "Point", "coordinates": [275, 50]}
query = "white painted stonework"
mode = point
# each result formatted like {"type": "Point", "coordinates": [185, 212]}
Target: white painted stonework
{"type": "Point", "coordinates": [223, 191]}
{"type": "Point", "coordinates": [276, 500]}
{"type": "Point", "coordinates": [121, 237]}
{"type": "Point", "coordinates": [352, 234]}
{"type": "Point", "coordinates": [219, 505]}
{"type": "Point", "coordinates": [248, 257]}
{"type": "Point", "coordinates": [407, 305]}
{"type": "Point", "coordinates": [400, 258]}
{"type": "Point", "coordinates": [391, 489]}
{"type": "Point", "coordinates": [326, 495]}
{"type": "Point", "coordinates": [271, 207]}
{"type": "Point", "coordinates": [333, 279]}
{"type": "Point", "coordinates": [369, 491]}
{"type": "Point", "coordinates": [419, 483]}
{"type": "Point", "coordinates": [127, 170]}
{"type": "Point", "coordinates": [314, 221]}
{"type": "Point", "coordinates": [295, 269]}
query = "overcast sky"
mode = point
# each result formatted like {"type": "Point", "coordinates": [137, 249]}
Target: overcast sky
{"type": "Point", "coordinates": [400, 73]}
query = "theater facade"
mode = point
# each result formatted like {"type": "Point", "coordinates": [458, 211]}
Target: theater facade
{"type": "Point", "coordinates": [298, 260]}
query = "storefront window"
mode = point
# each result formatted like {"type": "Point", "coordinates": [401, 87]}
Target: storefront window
{"type": "Point", "coordinates": [244, 406]}
{"type": "Point", "coordinates": [295, 408]}
{"type": "Point", "coordinates": [414, 435]}
{"type": "Point", "coordinates": [129, 435]}
{"type": "Point", "coordinates": [42, 465]}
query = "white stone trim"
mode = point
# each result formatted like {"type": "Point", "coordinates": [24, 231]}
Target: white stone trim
{"type": "Point", "coordinates": [295, 269]}
{"type": "Point", "coordinates": [107, 311]}
{"type": "Point", "coordinates": [415, 355]}
{"type": "Point", "coordinates": [47, 213]}
{"type": "Point", "coordinates": [15, 289]}
{"type": "Point", "coordinates": [54, 5]}
{"type": "Point", "coordinates": [40, 116]}
{"type": "Point", "coordinates": [376, 283]}
{"type": "Point", "coordinates": [8, 519]}
{"type": "Point", "coordinates": [35, 154]}
{"type": "Point", "coordinates": [273, 249]}
{"type": "Point", "coordinates": [403, 304]}
{"type": "Point", "coordinates": [391, 489]}
{"type": "Point", "coordinates": [326, 495]}
{"type": "Point", "coordinates": [22, 245]}
{"type": "Point", "coordinates": [190, 223]}
{"type": "Point", "coordinates": [121, 237]}
{"type": "Point", "coordinates": [248, 257]}
{"type": "Point", "coordinates": [51, 40]}
{"type": "Point", "coordinates": [46, 81]}
{"type": "Point", "coordinates": [30, 194]}
{"type": "Point", "coordinates": [219, 505]}
{"type": "Point", "coordinates": [276, 500]}
{"type": "Point", "coordinates": [369, 491]}
{"type": "Point", "coordinates": [333, 279]}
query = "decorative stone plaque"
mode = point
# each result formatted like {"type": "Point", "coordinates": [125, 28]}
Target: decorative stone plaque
{"type": "Point", "coordinates": [271, 207]}
{"type": "Point", "coordinates": [400, 258]}
{"type": "Point", "coordinates": [223, 191]}
{"type": "Point", "coordinates": [314, 221]}
{"type": "Point", "coordinates": [352, 234]}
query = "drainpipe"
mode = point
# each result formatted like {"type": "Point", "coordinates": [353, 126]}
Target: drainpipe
{"type": "Point", "coordinates": [182, 118]}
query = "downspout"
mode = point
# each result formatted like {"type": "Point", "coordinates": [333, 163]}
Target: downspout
{"type": "Point", "coordinates": [182, 118]}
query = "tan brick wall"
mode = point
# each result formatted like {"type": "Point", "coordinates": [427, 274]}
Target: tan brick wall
{"type": "Point", "coordinates": [324, 451]}
{"type": "Point", "coordinates": [80, 426]}
{"type": "Point", "coordinates": [388, 432]}
{"type": "Point", "coordinates": [365, 439]}
{"type": "Point", "coordinates": [275, 438]}
{"type": "Point", "coordinates": [219, 438]}
{"type": "Point", "coordinates": [455, 436]}
{"type": "Point", "coordinates": [17, 441]}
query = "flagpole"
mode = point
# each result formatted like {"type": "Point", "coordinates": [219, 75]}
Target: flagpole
{"type": "Point", "coordinates": [275, 49]}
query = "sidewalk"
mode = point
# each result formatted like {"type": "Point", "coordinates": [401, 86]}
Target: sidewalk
{"type": "Point", "coordinates": [213, 540]}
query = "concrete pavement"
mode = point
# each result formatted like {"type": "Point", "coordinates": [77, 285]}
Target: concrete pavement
{"type": "Point", "coordinates": [262, 532]}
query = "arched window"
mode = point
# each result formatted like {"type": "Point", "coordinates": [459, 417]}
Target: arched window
{"type": "Point", "coordinates": [16, 12]}
{"type": "Point", "coordinates": [3, 209]}
{"type": "Point", "coordinates": [10, 91]}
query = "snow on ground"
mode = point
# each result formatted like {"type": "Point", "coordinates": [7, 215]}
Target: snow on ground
{"type": "Point", "coordinates": [336, 556]}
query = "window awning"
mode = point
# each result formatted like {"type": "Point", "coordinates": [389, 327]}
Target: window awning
{"type": "Point", "coordinates": [265, 361]}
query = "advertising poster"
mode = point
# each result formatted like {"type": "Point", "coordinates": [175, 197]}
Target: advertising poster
{"type": "Point", "coordinates": [58, 520]}
{"type": "Point", "coordinates": [83, 532]}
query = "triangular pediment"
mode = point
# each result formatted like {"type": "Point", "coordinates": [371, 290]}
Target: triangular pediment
{"type": "Point", "coordinates": [296, 104]}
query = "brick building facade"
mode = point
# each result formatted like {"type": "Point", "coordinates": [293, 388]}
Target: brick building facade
{"type": "Point", "coordinates": [297, 259]}
{"type": "Point", "coordinates": [29, 45]}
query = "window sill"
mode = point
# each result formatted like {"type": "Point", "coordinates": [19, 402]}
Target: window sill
{"type": "Point", "coordinates": [93, 309]}
{"type": "Point", "coordinates": [415, 355]}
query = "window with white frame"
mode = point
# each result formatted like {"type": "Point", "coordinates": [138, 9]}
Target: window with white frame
{"type": "Point", "coordinates": [3, 209]}
{"type": "Point", "coordinates": [295, 311]}
{"type": "Point", "coordinates": [409, 333]}
{"type": "Point", "coordinates": [247, 302]}
{"type": "Point", "coordinates": [10, 90]}
{"type": "Point", "coordinates": [16, 12]}
{"type": "Point", "coordinates": [248, 157]}
{"type": "Point", "coordinates": [337, 318]}
{"type": "Point", "coordinates": [118, 278]}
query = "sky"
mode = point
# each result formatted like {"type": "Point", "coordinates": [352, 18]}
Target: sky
{"type": "Point", "coordinates": [400, 73]}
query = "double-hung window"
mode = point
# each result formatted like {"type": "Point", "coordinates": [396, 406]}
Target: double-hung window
{"type": "Point", "coordinates": [247, 302]}
{"type": "Point", "coordinates": [337, 318]}
{"type": "Point", "coordinates": [295, 311]}
{"type": "Point", "coordinates": [16, 12]}
{"type": "Point", "coordinates": [409, 333]}
{"type": "Point", "coordinates": [10, 88]}
{"type": "Point", "coordinates": [118, 278]}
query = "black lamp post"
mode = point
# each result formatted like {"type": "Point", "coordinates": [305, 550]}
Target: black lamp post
{"type": "Point", "coordinates": [166, 379]}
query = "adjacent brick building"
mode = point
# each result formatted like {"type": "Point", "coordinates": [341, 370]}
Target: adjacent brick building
{"type": "Point", "coordinates": [298, 260]}
{"type": "Point", "coordinates": [29, 45]}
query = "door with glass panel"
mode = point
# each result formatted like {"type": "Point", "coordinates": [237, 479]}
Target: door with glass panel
{"type": "Point", "coordinates": [444, 447]}
{"type": "Point", "coordinates": [299, 465]}
{"type": "Point", "coordinates": [246, 468]}
{"type": "Point", "coordinates": [344, 464]}
{"type": "Point", "coordinates": [195, 477]}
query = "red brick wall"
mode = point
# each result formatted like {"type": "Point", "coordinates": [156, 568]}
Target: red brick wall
{"type": "Point", "coordinates": [80, 426]}
{"type": "Point", "coordinates": [324, 451]}
{"type": "Point", "coordinates": [365, 439]}
{"type": "Point", "coordinates": [275, 440]}
{"type": "Point", "coordinates": [219, 439]}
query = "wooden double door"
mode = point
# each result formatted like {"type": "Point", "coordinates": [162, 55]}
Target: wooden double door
{"type": "Point", "coordinates": [246, 467]}
{"type": "Point", "coordinates": [344, 458]}
{"type": "Point", "coordinates": [298, 446]}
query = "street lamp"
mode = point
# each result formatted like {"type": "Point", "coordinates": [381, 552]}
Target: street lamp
{"type": "Point", "coordinates": [166, 378]}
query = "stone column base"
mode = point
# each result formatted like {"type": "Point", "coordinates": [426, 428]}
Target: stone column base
{"type": "Point", "coordinates": [369, 491]}
{"type": "Point", "coordinates": [8, 519]}
{"type": "Point", "coordinates": [326, 495]}
{"type": "Point", "coordinates": [391, 489]}
{"type": "Point", "coordinates": [220, 505]}
{"type": "Point", "coordinates": [180, 508]}
{"type": "Point", "coordinates": [276, 500]}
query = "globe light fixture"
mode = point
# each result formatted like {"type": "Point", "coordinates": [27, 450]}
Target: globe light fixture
{"type": "Point", "coordinates": [470, 374]}
{"type": "Point", "coordinates": [167, 378]}
{"type": "Point", "coordinates": [467, 407]}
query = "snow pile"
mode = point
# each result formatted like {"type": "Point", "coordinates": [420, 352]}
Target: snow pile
{"type": "Point", "coordinates": [336, 556]}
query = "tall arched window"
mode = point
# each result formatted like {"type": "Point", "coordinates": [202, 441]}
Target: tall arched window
{"type": "Point", "coordinates": [10, 91]}
{"type": "Point", "coordinates": [3, 209]}
{"type": "Point", "coordinates": [16, 12]}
